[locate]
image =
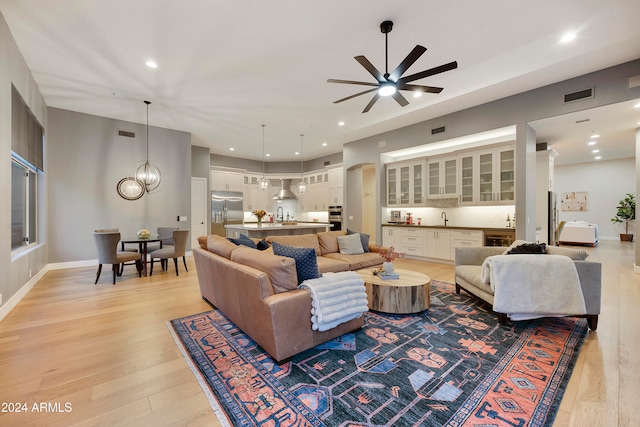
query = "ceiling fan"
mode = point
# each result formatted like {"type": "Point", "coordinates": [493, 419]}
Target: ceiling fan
{"type": "Point", "coordinates": [390, 84]}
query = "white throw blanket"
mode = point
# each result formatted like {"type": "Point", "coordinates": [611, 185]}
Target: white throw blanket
{"type": "Point", "coordinates": [336, 298]}
{"type": "Point", "coordinates": [531, 286]}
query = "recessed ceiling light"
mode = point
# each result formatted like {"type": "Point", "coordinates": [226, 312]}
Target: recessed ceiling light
{"type": "Point", "coordinates": [417, 94]}
{"type": "Point", "coordinates": [598, 157]}
{"type": "Point", "coordinates": [637, 105]}
{"type": "Point", "coordinates": [267, 155]}
{"type": "Point", "coordinates": [595, 135]}
{"type": "Point", "coordinates": [340, 123]}
{"type": "Point", "coordinates": [595, 151]}
{"type": "Point", "coordinates": [231, 148]}
{"type": "Point", "coordinates": [151, 64]}
{"type": "Point", "coordinates": [324, 144]}
{"type": "Point", "coordinates": [567, 37]}
{"type": "Point", "coordinates": [297, 153]}
{"type": "Point", "coordinates": [591, 143]}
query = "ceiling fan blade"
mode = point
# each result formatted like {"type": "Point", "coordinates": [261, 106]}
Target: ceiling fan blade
{"type": "Point", "coordinates": [370, 68]}
{"type": "Point", "coordinates": [436, 70]}
{"type": "Point", "coordinates": [407, 62]}
{"type": "Point", "coordinates": [353, 96]}
{"type": "Point", "coordinates": [418, 88]}
{"type": "Point", "coordinates": [370, 104]}
{"type": "Point", "coordinates": [351, 82]}
{"type": "Point", "coordinates": [400, 99]}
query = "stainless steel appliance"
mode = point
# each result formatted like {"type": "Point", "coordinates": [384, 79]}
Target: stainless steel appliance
{"type": "Point", "coordinates": [226, 208]}
{"type": "Point", "coordinates": [499, 238]}
{"type": "Point", "coordinates": [335, 217]}
{"type": "Point", "coordinates": [395, 217]}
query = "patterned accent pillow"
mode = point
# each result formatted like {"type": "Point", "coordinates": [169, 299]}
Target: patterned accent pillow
{"type": "Point", "coordinates": [364, 238]}
{"type": "Point", "coordinates": [306, 262]}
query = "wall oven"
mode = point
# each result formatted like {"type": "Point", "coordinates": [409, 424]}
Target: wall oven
{"type": "Point", "coordinates": [335, 217]}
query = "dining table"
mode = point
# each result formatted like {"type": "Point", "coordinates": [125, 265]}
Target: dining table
{"type": "Point", "coordinates": [142, 247]}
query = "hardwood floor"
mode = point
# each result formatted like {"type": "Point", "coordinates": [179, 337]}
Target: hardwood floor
{"type": "Point", "coordinates": [106, 352]}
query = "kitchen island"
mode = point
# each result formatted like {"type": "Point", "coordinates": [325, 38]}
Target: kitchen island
{"type": "Point", "coordinates": [252, 229]}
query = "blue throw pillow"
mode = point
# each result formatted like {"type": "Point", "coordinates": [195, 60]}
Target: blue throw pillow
{"type": "Point", "coordinates": [262, 245]}
{"type": "Point", "coordinates": [364, 239]}
{"type": "Point", "coordinates": [243, 240]}
{"type": "Point", "coordinates": [306, 262]}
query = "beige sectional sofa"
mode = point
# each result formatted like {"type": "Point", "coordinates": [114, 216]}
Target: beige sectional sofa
{"type": "Point", "coordinates": [258, 290]}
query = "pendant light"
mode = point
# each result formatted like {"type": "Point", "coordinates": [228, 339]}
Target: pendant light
{"type": "Point", "coordinates": [301, 187]}
{"type": "Point", "coordinates": [263, 183]}
{"type": "Point", "coordinates": [148, 174]}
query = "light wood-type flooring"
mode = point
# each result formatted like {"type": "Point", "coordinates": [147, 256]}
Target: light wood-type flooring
{"type": "Point", "coordinates": [100, 354]}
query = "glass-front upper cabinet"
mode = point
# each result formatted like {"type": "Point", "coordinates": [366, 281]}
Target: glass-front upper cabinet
{"type": "Point", "coordinates": [495, 176]}
{"type": "Point", "coordinates": [442, 175]}
{"type": "Point", "coordinates": [467, 187]}
{"type": "Point", "coordinates": [405, 184]}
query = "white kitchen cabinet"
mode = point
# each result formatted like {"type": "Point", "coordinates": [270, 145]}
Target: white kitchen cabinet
{"type": "Point", "coordinates": [392, 236]}
{"type": "Point", "coordinates": [336, 186]}
{"type": "Point", "coordinates": [405, 184]}
{"type": "Point", "coordinates": [413, 241]}
{"type": "Point", "coordinates": [316, 197]}
{"type": "Point", "coordinates": [496, 176]}
{"type": "Point", "coordinates": [254, 198]}
{"type": "Point", "coordinates": [442, 177]}
{"type": "Point", "coordinates": [438, 243]}
{"type": "Point", "coordinates": [467, 179]}
{"type": "Point", "coordinates": [226, 181]}
{"type": "Point", "coordinates": [465, 239]}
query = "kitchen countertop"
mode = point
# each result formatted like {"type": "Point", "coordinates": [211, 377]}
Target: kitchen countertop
{"type": "Point", "coordinates": [277, 225]}
{"type": "Point", "coordinates": [450, 227]}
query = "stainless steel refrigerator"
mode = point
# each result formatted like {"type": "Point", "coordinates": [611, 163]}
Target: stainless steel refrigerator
{"type": "Point", "coordinates": [226, 208]}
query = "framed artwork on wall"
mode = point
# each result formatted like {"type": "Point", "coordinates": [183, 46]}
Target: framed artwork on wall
{"type": "Point", "coordinates": [574, 201]}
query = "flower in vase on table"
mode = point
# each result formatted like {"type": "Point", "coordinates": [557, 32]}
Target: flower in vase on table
{"type": "Point", "coordinates": [143, 233]}
{"type": "Point", "coordinates": [390, 254]}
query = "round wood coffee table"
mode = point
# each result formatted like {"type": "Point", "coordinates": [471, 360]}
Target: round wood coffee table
{"type": "Point", "coordinates": [407, 294]}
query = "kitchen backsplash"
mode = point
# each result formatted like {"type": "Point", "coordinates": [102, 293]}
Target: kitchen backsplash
{"type": "Point", "coordinates": [467, 216]}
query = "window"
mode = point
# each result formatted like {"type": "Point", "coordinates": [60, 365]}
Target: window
{"type": "Point", "coordinates": [24, 180]}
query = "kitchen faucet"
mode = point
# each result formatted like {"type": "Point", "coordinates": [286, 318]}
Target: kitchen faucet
{"type": "Point", "coordinates": [279, 213]}
{"type": "Point", "coordinates": [444, 214]}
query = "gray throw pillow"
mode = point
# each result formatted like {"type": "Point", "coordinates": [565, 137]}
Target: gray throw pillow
{"type": "Point", "coordinates": [350, 244]}
{"type": "Point", "coordinates": [364, 238]}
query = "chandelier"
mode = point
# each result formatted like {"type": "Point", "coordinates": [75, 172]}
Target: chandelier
{"type": "Point", "coordinates": [148, 174]}
{"type": "Point", "coordinates": [301, 187]}
{"type": "Point", "coordinates": [263, 183]}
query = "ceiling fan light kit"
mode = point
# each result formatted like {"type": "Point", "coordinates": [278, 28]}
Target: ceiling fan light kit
{"type": "Point", "coordinates": [389, 84]}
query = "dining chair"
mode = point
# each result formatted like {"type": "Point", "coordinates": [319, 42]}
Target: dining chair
{"type": "Point", "coordinates": [116, 230]}
{"type": "Point", "coordinates": [181, 238]}
{"type": "Point", "coordinates": [108, 253]}
{"type": "Point", "coordinates": [166, 234]}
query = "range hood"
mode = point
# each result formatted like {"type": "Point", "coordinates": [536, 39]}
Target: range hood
{"type": "Point", "coordinates": [284, 193]}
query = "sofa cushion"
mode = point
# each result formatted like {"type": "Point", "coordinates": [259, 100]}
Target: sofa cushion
{"type": "Point", "coordinates": [328, 265]}
{"type": "Point", "coordinates": [280, 270]}
{"type": "Point", "coordinates": [358, 261]}
{"type": "Point", "coordinates": [364, 238]}
{"type": "Point", "coordinates": [350, 244]}
{"type": "Point", "coordinates": [300, 241]}
{"type": "Point", "coordinates": [306, 263]}
{"type": "Point", "coordinates": [328, 241]}
{"type": "Point", "coordinates": [220, 246]}
{"type": "Point", "coordinates": [473, 275]}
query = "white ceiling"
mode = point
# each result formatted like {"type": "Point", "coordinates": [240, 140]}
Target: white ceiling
{"type": "Point", "coordinates": [227, 67]}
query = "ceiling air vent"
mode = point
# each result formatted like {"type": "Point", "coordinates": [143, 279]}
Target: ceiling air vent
{"type": "Point", "coordinates": [577, 96]}
{"type": "Point", "coordinates": [126, 133]}
{"type": "Point", "coordinates": [437, 130]}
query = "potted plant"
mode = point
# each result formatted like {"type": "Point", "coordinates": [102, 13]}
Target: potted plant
{"type": "Point", "coordinates": [626, 211]}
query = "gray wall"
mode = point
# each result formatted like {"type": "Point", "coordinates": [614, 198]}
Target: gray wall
{"type": "Point", "coordinates": [19, 269]}
{"type": "Point", "coordinates": [611, 86]}
{"type": "Point", "coordinates": [87, 158]}
{"type": "Point", "coordinates": [275, 167]}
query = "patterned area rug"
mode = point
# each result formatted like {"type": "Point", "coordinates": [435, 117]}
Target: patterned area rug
{"type": "Point", "coordinates": [451, 365]}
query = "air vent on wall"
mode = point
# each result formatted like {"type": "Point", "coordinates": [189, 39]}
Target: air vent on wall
{"type": "Point", "coordinates": [327, 162]}
{"type": "Point", "coordinates": [577, 96]}
{"type": "Point", "coordinates": [126, 133]}
{"type": "Point", "coordinates": [437, 130]}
